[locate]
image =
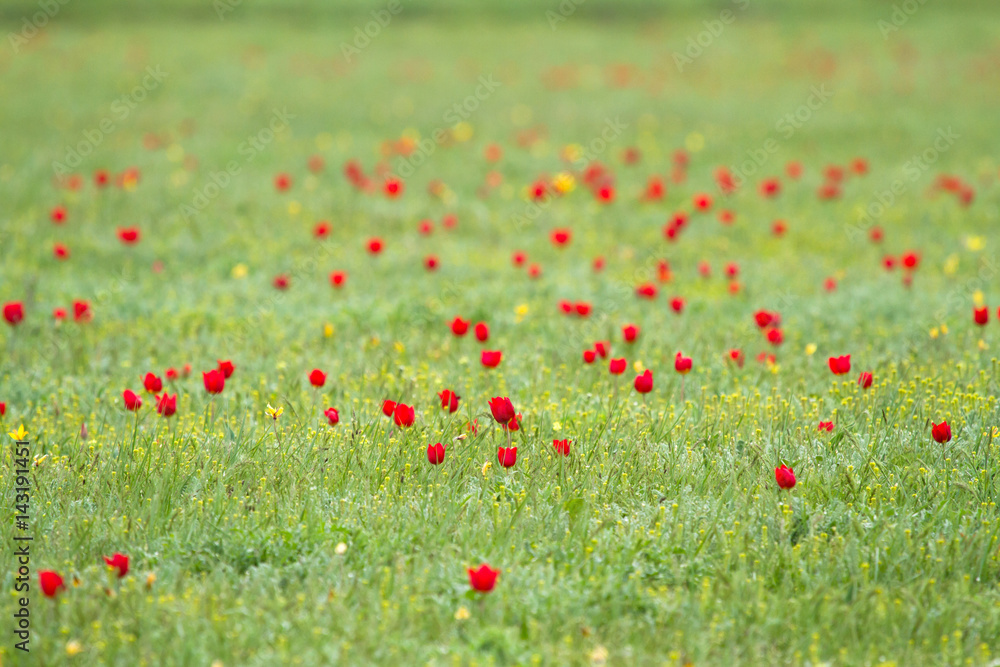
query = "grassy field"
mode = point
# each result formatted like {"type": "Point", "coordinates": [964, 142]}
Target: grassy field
{"type": "Point", "coordinates": [663, 537]}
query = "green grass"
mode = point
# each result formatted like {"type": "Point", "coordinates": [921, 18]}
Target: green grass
{"type": "Point", "coordinates": [663, 538]}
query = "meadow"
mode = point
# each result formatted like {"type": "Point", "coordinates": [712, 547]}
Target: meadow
{"type": "Point", "coordinates": [232, 201]}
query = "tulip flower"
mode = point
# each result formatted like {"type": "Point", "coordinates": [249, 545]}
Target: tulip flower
{"type": "Point", "coordinates": [775, 336]}
{"type": "Point", "coordinates": [60, 251]}
{"type": "Point", "coordinates": [840, 365]}
{"type": "Point", "coordinates": [682, 364]}
{"type": "Point", "coordinates": [981, 315]}
{"type": "Point", "coordinates": [152, 383]}
{"type": "Point", "coordinates": [561, 237]}
{"type": "Point", "coordinates": [736, 356]}
{"type": "Point", "coordinates": [784, 476]}
{"type": "Point", "coordinates": [677, 304]}
{"type": "Point", "coordinates": [507, 456]}
{"type": "Point", "coordinates": [118, 562]}
{"type": "Point", "coordinates": [403, 415]}
{"type": "Point", "coordinates": [865, 380]}
{"type": "Point", "coordinates": [132, 400]}
{"type": "Point", "coordinates": [332, 415]}
{"type": "Point", "coordinates": [215, 381]}
{"type": "Point", "coordinates": [941, 432]}
{"type": "Point", "coordinates": [128, 235]}
{"type": "Point", "coordinates": [50, 582]}
{"type": "Point", "coordinates": [491, 358]}
{"type": "Point", "coordinates": [435, 453]}
{"type": "Point", "coordinates": [282, 182]}
{"type": "Point", "coordinates": [502, 409]}
{"type": "Point", "coordinates": [646, 291]}
{"type": "Point", "coordinates": [281, 281]}
{"type": "Point", "coordinates": [375, 246]}
{"type": "Point", "coordinates": [13, 312]}
{"type": "Point", "coordinates": [825, 426]}
{"type": "Point", "coordinates": [226, 368]}
{"type": "Point", "coordinates": [519, 258]}
{"type": "Point", "coordinates": [602, 347]}
{"type": "Point", "coordinates": [482, 332]}
{"type": "Point", "coordinates": [589, 356]}
{"type": "Point", "coordinates": [562, 446]}
{"type": "Point", "coordinates": [388, 407]}
{"type": "Point", "coordinates": [483, 579]}
{"type": "Point", "coordinates": [337, 278]}
{"type": "Point", "coordinates": [459, 326]}
{"type": "Point", "coordinates": [82, 312]}
{"type": "Point", "coordinates": [317, 378]}
{"type": "Point", "coordinates": [449, 400]}
{"type": "Point", "coordinates": [322, 229]}
{"type": "Point", "coordinates": [630, 332]}
{"type": "Point", "coordinates": [582, 308]}
{"type": "Point", "coordinates": [166, 405]}
{"type": "Point", "coordinates": [617, 366]}
{"type": "Point", "coordinates": [644, 382]}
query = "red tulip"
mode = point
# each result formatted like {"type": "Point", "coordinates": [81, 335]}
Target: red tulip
{"type": "Point", "coordinates": [60, 251]}
{"type": "Point", "coordinates": [215, 381]}
{"type": "Point", "coordinates": [449, 221]}
{"type": "Point", "coordinates": [388, 407]}
{"type": "Point", "coordinates": [589, 356]}
{"type": "Point", "coordinates": [865, 380]}
{"type": "Point", "coordinates": [59, 314]}
{"type": "Point", "coordinates": [646, 291]}
{"type": "Point", "coordinates": [281, 281]}
{"type": "Point", "coordinates": [562, 446]}
{"type": "Point", "coordinates": [981, 315]}
{"type": "Point", "coordinates": [459, 326]}
{"type": "Point", "coordinates": [393, 187]}
{"type": "Point", "coordinates": [435, 453]}
{"type": "Point", "coordinates": [82, 312]}
{"type": "Point", "coordinates": [794, 170]}
{"type": "Point", "coordinates": [58, 214]}
{"type": "Point", "coordinates": [101, 178]}
{"type": "Point", "coordinates": [132, 400]}
{"type": "Point", "coordinates": [403, 415]}
{"type": "Point", "coordinates": [425, 227]}
{"type": "Point", "coordinates": [166, 405]}
{"type": "Point", "coordinates": [507, 456]}
{"type": "Point", "coordinates": [483, 579]}
{"type": "Point", "coordinates": [644, 382]}
{"type": "Point", "coordinates": [582, 308]}
{"type": "Point", "coordinates": [519, 258]}
{"type": "Point", "coordinates": [375, 246]}
{"type": "Point", "coordinates": [282, 182]}
{"type": "Point", "coordinates": [566, 306]}
{"type": "Point", "coordinates": [337, 278]}
{"type": "Point", "coordinates": [785, 477]}
{"type": "Point", "coordinates": [682, 364]}
{"type": "Point", "coordinates": [840, 365]}
{"type": "Point", "coordinates": [598, 264]}
{"type": "Point", "coordinates": [171, 374]}
{"type": "Point", "coordinates": [654, 189]}
{"type": "Point", "coordinates": [50, 582]}
{"type": "Point", "coordinates": [13, 312]}
{"type": "Point", "coordinates": [764, 318]}
{"type": "Point", "coordinates": [602, 347]}
{"type": "Point", "coordinates": [617, 366]}
{"type": "Point", "coordinates": [779, 228]}
{"type": "Point", "coordinates": [317, 378]}
{"type": "Point", "coordinates": [322, 229]}
{"type": "Point", "coordinates": [431, 262]}
{"type": "Point", "coordinates": [910, 260]}
{"type": "Point", "coordinates": [449, 400]}
{"type": "Point", "coordinates": [482, 332]}
{"type": "Point", "coordinates": [129, 235]}
{"type": "Point", "coordinates": [630, 332]}
{"type": "Point", "coordinates": [152, 383]}
{"type": "Point", "coordinates": [502, 409]}
{"type": "Point", "coordinates": [118, 562]}
{"type": "Point", "coordinates": [3, 408]}
{"type": "Point", "coordinates": [941, 432]}
{"type": "Point", "coordinates": [736, 356]}
{"type": "Point", "coordinates": [770, 187]}
{"type": "Point", "coordinates": [226, 368]}
{"type": "Point", "coordinates": [702, 202]}
{"type": "Point", "coordinates": [491, 358]}
{"type": "Point", "coordinates": [825, 426]}
{"type": "Point", "coordinates": [561, 237]}
{"type": "Point", "coordinates": [332, 415]}
{"type": "Point", "coordinates": [677, 304]}
{"type": "Point", "coordinates": [775, 336]}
